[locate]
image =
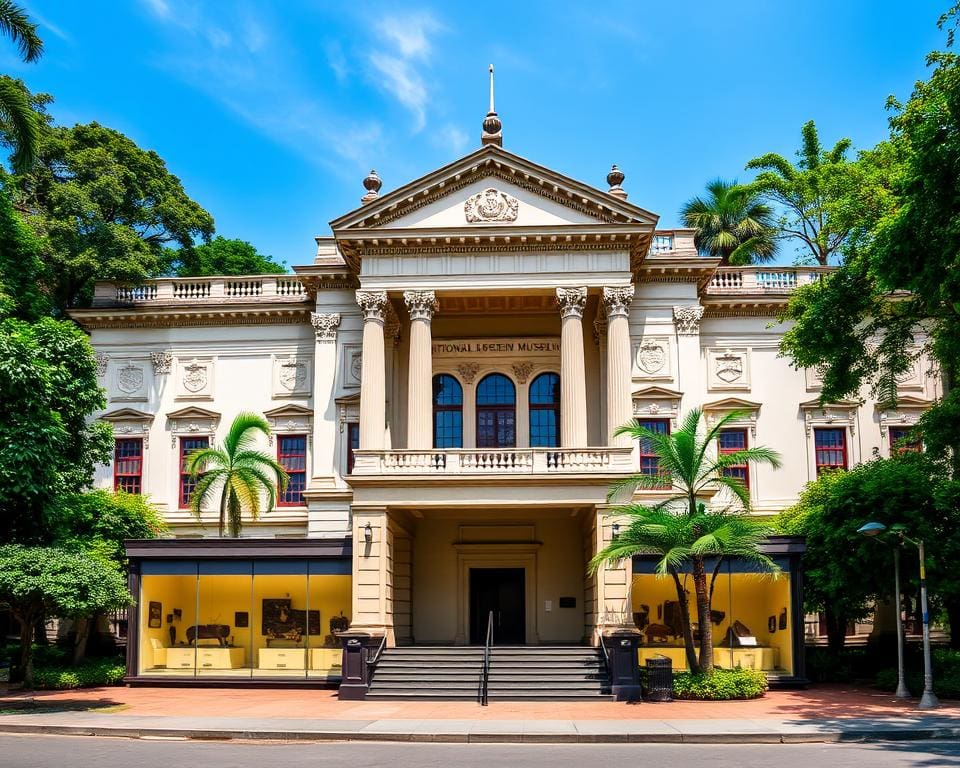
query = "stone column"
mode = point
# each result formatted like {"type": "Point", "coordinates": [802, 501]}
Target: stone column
{"type": "Point", "coordinates": [325, 327]}
{"type": "Point", "coordinates": [619, 364]}
{"type": "Point", "coordinates": [421, 305]}
{"type": "Point", "coordinates": [373, 396]}
{"type": "Point", "coordinates": [686, 319]}
{"type": "Point", "coordinates": [573, 385]}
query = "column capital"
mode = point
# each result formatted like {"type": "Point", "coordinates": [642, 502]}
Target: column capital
{"type": "Point", "coordinates": [372, 303]}
{"type": "Point", "coordinates": [420, 304]}
{"type": "Point", "coordinates": [687, 319]}
{"type": "Point", "coordinates": [571, 301]}
{"type": "Point", "coordinates": [617, 300]}
{"type": "Point", "coordinates": [325, 325]}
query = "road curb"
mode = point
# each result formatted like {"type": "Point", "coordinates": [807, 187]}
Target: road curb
{"type": "Point", "coordinates": [763, 737]}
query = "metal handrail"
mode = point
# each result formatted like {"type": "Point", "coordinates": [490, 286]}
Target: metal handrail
{"type": "Point", "coordinates": [606, 654]}
{"type": "Point", "coordinates": [375, 659]}
{"type": "Point", "coordinates": [485, 672]}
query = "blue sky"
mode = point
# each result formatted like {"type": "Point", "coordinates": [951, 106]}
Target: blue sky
{"type": "Point", "coordinates": [271, 113]}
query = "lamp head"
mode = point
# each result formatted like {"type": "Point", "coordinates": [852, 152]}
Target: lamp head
{"type": "Point", "coordinates": [871, 529]}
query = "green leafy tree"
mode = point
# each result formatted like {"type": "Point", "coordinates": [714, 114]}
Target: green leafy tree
{"type": "Point", "coordinates": [812, 193]}
{"type": "Point", "coordinates": [105, 209]}
{"type": "Point", "coordinates": [21, 268]}
{"type": "Point", "coordinates": [681, 529]}
{"type": "Point", "coordinates": [38, 582]}
{"type": "Point", "coordinates": [20, 120]}
{"type": "Point", "coordinates": [222, 256]}
{"type": "Point", "coordinates": [238, 473]}
{"type": "Point", "coordinates": [845, 572]}
{"type": "Point", "coordinates": [732, 224]}
{"type": "Point", "coordinates": [48, 445]}
{"type": "Point", "coordinates": [99, 522]}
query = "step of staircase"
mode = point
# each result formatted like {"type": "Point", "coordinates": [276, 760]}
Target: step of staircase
{"type": "Point", "coordinates": [519, 673]}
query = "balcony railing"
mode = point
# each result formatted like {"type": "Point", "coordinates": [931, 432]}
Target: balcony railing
{"type": "Point", "coordinates": [176, 290]}
{"type": "Point", "coordinates": [762, 279]}
{"type": "Point", "coordinates": [493, 461]}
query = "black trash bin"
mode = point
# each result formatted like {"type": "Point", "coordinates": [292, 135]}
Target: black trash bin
{"type": "Point", "coordinates": [659, 679]}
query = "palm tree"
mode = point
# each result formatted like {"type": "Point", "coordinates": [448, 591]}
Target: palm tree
{"type": "Point", "coordinates": [681, 529]}
{"type": "Point", "coordinates": [732, 224]}
{"type": "Point", "coordinates": [15, 109]}
{"type": "Point", "coordinates": [237, 472]}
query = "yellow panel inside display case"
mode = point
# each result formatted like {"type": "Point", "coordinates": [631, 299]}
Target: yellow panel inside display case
{"type": "Point", "coordinates": [755, 606]}
{"type": "Point", "coordinates": [168, 605]}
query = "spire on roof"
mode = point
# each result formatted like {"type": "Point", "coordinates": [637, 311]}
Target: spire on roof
{"type": "Point", "coordinates": [492, 127]}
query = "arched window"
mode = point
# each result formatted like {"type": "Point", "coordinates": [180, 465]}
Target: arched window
{"type": "Point", "coordinates": [545, 411]}
{"type": "Point", "coordinates": [496, 412]}
{"type": "Point", "coordinates": [447, 412]}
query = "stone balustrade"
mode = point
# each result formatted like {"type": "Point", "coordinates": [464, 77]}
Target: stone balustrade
{"type": "Point", "coordinates": [728, 280]}
{"type": "Point", "coordinates": [191, 290]}
{"type": "Point", "coordinates": [493, 461]}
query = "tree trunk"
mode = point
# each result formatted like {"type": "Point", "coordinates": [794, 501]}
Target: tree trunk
{"type": "Point", "coordinates": [703, 614]}
{"type": "Point", "coordinates": [81, 631]}
{"type": "Point", "coordinates": [836, 629]}
{"type": "Point", "coordinates": [223, 511]}
{"type": "Point", "coordinates": [692, 664]}
{"type": "Point", "coordinates": [26, 648]}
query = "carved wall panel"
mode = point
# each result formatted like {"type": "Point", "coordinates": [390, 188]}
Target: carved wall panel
{"type": "Point", "coordinates": [652, 358]}
{"type": "Point", "coordinates": [129, 380]}
{"type": "Point", "coordinates": [292, 375]}
{"type": "Point", "coordinates": [195, 378]}
{"type": "Point", "coordinates": [728, 369]}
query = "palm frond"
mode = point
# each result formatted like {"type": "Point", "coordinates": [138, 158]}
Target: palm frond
{"type": "Point", "coordinates": [206, 460]}
{"type": "Point", "coordinates": [204, 489]}
{"type": "Point", "coordinates": [15, 24]}
{"type": "Point", "coordinates": [24, 126]}
{"type": "Point", "coordinates": [243, 431]}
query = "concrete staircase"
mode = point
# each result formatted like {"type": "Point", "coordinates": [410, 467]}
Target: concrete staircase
{"type": "Point", "coordinates": [517, 673]}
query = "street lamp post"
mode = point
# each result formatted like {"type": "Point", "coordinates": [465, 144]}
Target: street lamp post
{"type": "Point", "coordinates": [929, 699]}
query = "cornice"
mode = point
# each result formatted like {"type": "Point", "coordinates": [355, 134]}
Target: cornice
{"type": "Point", "coordinates": [193, 316]}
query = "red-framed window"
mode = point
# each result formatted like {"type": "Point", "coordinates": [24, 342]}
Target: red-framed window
{"type": "Point", "coordinates": [353, 443]}
{"type": "Point", "coordinates": [187, 446]}
{"type": "Point", "coordinates": [292, 456]}
{"type": "Point", "coordinates": [649, 461]}
{"type": "Point", "coordinates": [128, 464]}
{"type": "Point", "coordinates": [903, 440]}
{"type": "Point", "coordinates": [830, 446]}
{"type": "Point", "coordinates": [732, 441]}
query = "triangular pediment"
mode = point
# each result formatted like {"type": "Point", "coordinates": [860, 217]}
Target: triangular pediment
{"type": "Point", "coordinates": [657, 393]}
{"type": "Point", "coordinates": [731, 404]}
{"type": "Point", "coordinates": [126, 414]}
{"type": "Point", "coordinates": [525, 195]}
{"type": "Point", "coordinates": [288, 410]}
{"type": "Point", "coordinates": [353, 399]}
{"type": "Point", "coordinates": [908, 402]}
{"type": "Point", "coordinates": [816, 404]}
{"type": "Point", "coordinates": [192, 412]}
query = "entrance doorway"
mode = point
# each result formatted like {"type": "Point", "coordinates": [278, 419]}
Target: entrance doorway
{"type": "Point", "coordinates": [501, 590]}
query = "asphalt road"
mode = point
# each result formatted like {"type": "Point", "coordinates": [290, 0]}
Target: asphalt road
{"type": "Point", "coordinates": [87, 751]}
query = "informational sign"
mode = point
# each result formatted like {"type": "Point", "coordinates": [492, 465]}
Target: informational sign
{"type": "Point", "coordinates": [525, 347]}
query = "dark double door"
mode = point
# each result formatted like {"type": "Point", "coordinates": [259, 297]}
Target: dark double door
{"type": "Point", "coordinates": [502, 591]}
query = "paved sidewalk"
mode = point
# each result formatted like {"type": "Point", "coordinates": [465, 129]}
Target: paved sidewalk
{"type": "Point", "coordinates": [829, 713]}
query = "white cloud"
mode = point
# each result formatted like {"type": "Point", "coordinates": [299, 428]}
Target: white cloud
{"type": "Point", "coordinates": [337, 60]}
{"type": "Point", "coordinates": [42, 21]}
{"type": "Point", "coordinates": [235, 61]}
{"type": "Point", "coordinates": [396, 71]}
{"type": "Point", "coordinates": [402, 80]}
{"type": "Point", "coordinates": [160, 8]}
{"type": "Point", "coordinates": [410, 33]}
{"type": "Point", "coordinates": [452, 138]}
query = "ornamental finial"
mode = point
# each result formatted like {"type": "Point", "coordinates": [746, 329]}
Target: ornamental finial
{"type": "Point", "coordinates": [615, 179]}
{"type": "Point", "coordinates": [492, 127]}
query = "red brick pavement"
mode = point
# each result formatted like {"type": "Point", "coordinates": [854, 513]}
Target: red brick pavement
{"type": "Point", "coordinates": [816, 703]}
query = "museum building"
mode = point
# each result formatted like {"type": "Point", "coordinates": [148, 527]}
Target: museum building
{"type": "Point", "coordinates": [443, 384]}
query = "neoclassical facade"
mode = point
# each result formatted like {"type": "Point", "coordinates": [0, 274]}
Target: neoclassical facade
{"type": "Point", "coordinates": [444, 382]}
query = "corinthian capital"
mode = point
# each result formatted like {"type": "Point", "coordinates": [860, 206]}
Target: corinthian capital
{"type": "Point", "coordinates": [571, 301]}
{"type": "Point", "coordinates": [420, 304]}
{"type": "Point", "coordinates": [372, 303]}
{"type": "Point", "coordinates": [617, 300]}
{"type": "Point", "coordinates": [325, 325]}
{"type": "Point", "coordinates": [687, 319]}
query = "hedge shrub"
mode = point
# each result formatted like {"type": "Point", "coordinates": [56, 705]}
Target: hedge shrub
{"type": "Point", "coordinates": [720, 685]}
{"type": "Point", "coordinates": [90, 673]}
{"type": "Point", "coordinates": [946, 675]}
